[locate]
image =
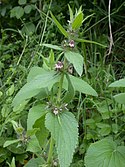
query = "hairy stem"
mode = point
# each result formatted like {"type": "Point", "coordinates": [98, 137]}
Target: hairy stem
{"type": "Point", "coordinates": [60, 88]}
{"type": "Point", "coordinates": [49, 160]}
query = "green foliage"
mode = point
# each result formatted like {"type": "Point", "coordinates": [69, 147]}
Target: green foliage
{"type": "Point", "coordinates": [52, 46]}
{"type": "Point", "coordinates": [82, 86]}
{"type": "Point", "coordinates": [63, 31]}
{"type": "Point", "coordinates": [77, 22]}
{"type": "Point", "coordinates": [105, 153]}
{"type": "Point", "coordinates": [120, 98]}
{"type": "Point", "coordinates": [13, 164]}
{"type": "Point", "coordinates": [35, 113]}
{"type": "Point", "coordinates": [17, 12]}
{"type": "Point", "coordinates": [64, 130]}
{"type": "Point", "coordinates": [33, 87]}
{"type": "Point", "coordinates": [70, 92]}
{"type": "Point", "coordinates": [34, 162]}
{"type": "Point", "coordinates": [7, 143]}
{"type": "Point", "coordinates": [76, 59]}
{"type": "Point", "coordinates": [119, 83]}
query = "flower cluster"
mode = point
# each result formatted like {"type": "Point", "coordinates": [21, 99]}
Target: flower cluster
{"type": "Point", "coordinates": [69, 43]}
{"type": "Point", "coordinates": [57, 109]}
{"type": "Point", "coordinates": [59, 65]}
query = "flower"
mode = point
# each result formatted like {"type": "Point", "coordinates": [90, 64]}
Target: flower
{"type": "Point", "coordinates": [55, 111]}
{"type": "Point", "coordinates": [72, 43]}
{"type": "Point", "coordinates": [59, 65]}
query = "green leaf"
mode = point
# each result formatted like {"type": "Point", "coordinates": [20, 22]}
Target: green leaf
{"type": "Point", "coordinates": [119, 83]}
{"type": "Point", "coordinates": [21, 158]}
{"type": "Point", "coordinates": [4, 154]}
{"type": "Point", "coordinates": [64, 130]}
{"type": "Point", "coordinates": [51, 59]}
{"type": "Point", "coordinates": [28, 29]}
{"type": "Point", "coordinates": [33, 145]}
{"type": "Point", "coordinates": [34, 114]}
{"type": "Point", "coordinates": [22, 2]}
{"type": "Point", "coordinates": [32, 88]}
{"type": "Point", "coordinates": [13, 163]}
{"type": "Point", "coordinates": [10, 91]}
{"type": "Point", "coordinates": [88, 17]}
{"type": "Point", "coordinates": [82, 86]}
{"type": "Point", "coordinates": [71, 13]}
{"type": "Point", "coordinates": [9, 142]}
{"type": "Point", "coordinates": [105, 153]}
{"type": "Point", "coordinates": [70, 92]}
{"type": "Point", "coordinates": [63, 31]}
{"type": "Point", "coordinates": [35, 162]}
{"type": "Point", "coordinates": [77, 21]}
{"type": "Point", "coordinates": [88, 41]}
{"type": "Point", "coordinates": [104, 129]}
{"type": "Point", "coordinates": [43, 133]}
{"type": "Point", "coordinates": [27, 9]}
{"type": "Point", "coordinates": [76, 59]}
{"type": "Point", "coordinates": [34, 71]}
{"type": "Point", "coordinates": [120, 98]}
{"type": "Point", "coordinates": [17, 12]}
{"type": "Point", "coordinates": [32, 132]}
{"type": "Point", "coordinates": [53, 46]}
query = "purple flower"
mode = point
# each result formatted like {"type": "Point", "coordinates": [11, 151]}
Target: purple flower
{"type": "Point", "coordinates": [59, 65]}
{"type": "Point", "coordinates": [72, 43]}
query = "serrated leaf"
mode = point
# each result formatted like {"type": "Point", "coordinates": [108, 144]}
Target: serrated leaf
{"type": "Point", "coordinates": [32, 88]}
{"type": "Point", "coordinates": [34, 114]}
{"type": "Point", "coordinates": [119, 83]}
{"type": "Point", "coordinates": [77, 21]}
{"type": "Point", "coordinates": [64, 130]}
{"type": "Point", "coordinates": [76, 59]}
{"type": "Point", "coordinates": [70, 92]}
{"type": "Point", "coordinates": [120, 98]}
{"type": "Point", "coordinates": [63, 31]}
{"type": "Point", "coordinates": [9, 142]}
{"type": "Point", "coordinates": [82, 86]}
{"type": "Point", "coordinates": [53, 46]}
{"type": "Point", "coordinates": [105, 153]}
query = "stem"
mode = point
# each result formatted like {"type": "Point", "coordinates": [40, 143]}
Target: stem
{"type": "Point", "coordinates": [22, 52]}
{"type": "Point", "coordinates": [49, 160]}
{"type": "Point", "coordinates": [85, 59]}
{"type": "Point", "coordinates": [61, 83]}
{"type": "Point", "coordinates": [60, 88]}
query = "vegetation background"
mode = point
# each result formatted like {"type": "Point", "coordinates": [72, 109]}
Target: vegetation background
{"type": "Point", "coordinates": [24, 26]}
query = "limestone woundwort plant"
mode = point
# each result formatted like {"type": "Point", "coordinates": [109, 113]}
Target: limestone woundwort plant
{"type": "Point", "coordinates": [50, 123]}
